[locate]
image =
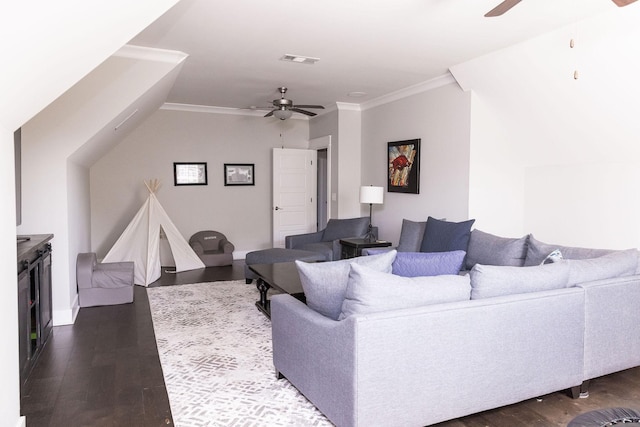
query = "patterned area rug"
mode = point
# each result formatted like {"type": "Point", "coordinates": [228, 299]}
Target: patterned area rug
{"type": "Point", "coordinates": [215, 351]}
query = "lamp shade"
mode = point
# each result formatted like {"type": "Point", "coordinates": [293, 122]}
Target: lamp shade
{"type": "Point", "coordinates": [371, 194]}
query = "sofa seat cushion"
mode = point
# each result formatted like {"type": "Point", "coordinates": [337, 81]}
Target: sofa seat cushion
{"type": "Point", "coordinates": [537, 251]}
{"type": "Point", "coordinates": [488, 249]}
{"type": "Point", "coordinates": [414, 264]}
{"type": "Point", "coordinates": [323, 248]}
{"type": "Point", "coordinates": [325, 283]}
{"type": "Point", "coordinates": [370, 291]}
{"type": "Point", "coordinates": [616, 264]}
{"type": "Point", "coordinates": [112, 275]}
{"type": "Point", "coordinates": [445, 236]}
{"type": "Point", "coordinates": [489, 281]}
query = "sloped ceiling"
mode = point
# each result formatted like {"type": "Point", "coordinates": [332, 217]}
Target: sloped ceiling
{"type": "Point", "coordinates": [374, 47]}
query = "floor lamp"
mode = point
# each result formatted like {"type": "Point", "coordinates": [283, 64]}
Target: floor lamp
{"type": "Point", "coordinates": [373, 196]}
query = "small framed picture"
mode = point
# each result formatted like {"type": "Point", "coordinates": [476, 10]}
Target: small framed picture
{"type": "Point", "coordinates": [189, 173]}
{"type": "Point", "coordinates": [239, 174]}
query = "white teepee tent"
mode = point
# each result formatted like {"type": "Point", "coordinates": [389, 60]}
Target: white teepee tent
{"type": "Point", "coordinates": [140, 242]}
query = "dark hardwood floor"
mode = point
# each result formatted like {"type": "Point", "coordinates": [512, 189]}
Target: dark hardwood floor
{"type": "Point", "coordinates": [104, 370]}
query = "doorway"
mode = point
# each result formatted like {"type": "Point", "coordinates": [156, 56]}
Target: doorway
{"type": "Point", "coordinates": [324, 196]}
{"type": "Point", "coordinates": [321, 197]}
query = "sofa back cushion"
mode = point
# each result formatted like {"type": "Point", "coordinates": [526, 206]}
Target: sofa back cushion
{"type": "Point", "coordinates": [444, 236]}
{"type": "Point", "coordinates": [538, 251]}
{"type": "Point", "coordinates": [370, 291]}
{"type": "Point", "coordinates": [325, 283]}
{"type": "Point", "coordinates": [615, 264]}
{"type": "Point", "coordinates": [488, 249]}
{"type": "Point", "coordinates": [343, 228]}
{"type": "Point", "coordinates": [411, 235]}
{"type": "Point", "coordinates": [414, 264]}
{"type": "Point", "coordinates": [489, 281]}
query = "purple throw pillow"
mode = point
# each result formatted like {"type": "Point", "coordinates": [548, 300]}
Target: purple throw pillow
{"type": "Point", "coordinates": [414, 264]}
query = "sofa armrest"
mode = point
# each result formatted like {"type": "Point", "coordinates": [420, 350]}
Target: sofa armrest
{"type": "Point", "coordinates": [297, 240]}
{"type": "Point", "coordinates": [227, 246]}
{"type": "Point", "coordinates": [85, 264]}
{"type": "Point", "coordinates": [313, 351]}
{"type": "Point", "coordinates": [612, 320]}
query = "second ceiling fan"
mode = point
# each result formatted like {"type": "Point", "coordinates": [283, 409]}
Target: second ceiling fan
{"type": "Point", "coordinates": [508, 4]}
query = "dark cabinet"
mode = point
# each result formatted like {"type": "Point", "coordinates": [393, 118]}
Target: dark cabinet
{"type": "Point", "coordinates": [35, 319]}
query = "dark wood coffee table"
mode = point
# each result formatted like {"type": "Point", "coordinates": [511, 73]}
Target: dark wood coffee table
{"type": "Point", "coordinates": [282, 276]}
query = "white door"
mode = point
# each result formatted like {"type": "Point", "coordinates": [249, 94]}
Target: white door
{"type": "Point", "coordinates": [294, 193]}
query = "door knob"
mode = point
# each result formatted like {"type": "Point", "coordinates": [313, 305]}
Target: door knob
{"type": "Point", "coordinates": [278, 208]}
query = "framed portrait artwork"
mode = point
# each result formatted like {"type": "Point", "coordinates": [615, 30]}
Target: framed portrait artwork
{"type": "Point", "coordinates": [239, 174]}
{"type": "Point", "coordinates": [189, 173]}
{"type": "Point", "coordinates": [404, 166]}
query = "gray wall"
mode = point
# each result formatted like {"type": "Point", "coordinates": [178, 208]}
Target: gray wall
{"type": "Point", "coordinates": [243, 213]}
{"type": "Point", "coordinates": [441, 119]}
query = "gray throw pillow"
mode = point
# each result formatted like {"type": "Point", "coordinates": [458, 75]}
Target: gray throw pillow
{"type": "Point", "coordinates": [411, 235]}
{"type": "Point", "coordinates": [537, 251]}
{"type": "Point", "coordinates": [489, 281]}
{"type": "Point", "coordinates": [369, 291]}
{"type": "Point", "coordinates": [325, 283]}
{"type": "Point", "coordinates": [488, 249]}
{"type": "Point", "coordinates": [445, 236]}
{"type": "Point", "coordinates": [617, 264]}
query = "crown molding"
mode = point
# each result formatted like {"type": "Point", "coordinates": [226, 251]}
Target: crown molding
{"type": "Point", "coordinates": [151, 54]}
{"type": "Point", "coordinates": [208, 109]}
{"type": "Point", "coordinates": [434, 83]}
{"type": "Point", "coordinates": [348, 106]}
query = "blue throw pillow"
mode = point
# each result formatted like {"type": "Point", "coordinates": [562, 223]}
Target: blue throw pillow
{"type": "Point", "coordinates": [414, 264]}
{"type": "Point", "coordinates": [445, 236]}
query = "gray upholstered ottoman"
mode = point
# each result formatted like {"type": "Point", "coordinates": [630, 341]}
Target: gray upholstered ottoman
{"type": "Point", "coordinates": [271, 256]}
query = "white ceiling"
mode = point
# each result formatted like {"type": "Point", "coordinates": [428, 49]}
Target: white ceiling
{"type": "Point", "coordinates": [372, 46]}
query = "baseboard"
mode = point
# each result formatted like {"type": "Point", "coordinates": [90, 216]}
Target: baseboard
{"type": "Point", "coordinates": [22, 422]}
{"type": "Point", "coordinates": [67, 316]}
{"type": "Point", "coordinates": [240, 254]}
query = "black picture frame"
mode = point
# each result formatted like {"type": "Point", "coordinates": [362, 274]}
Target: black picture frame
{"type": "Point", "coordinates": [239, 174]}
{"type": "Point", "coordinates": [403, 166]}
{"type": "Point", "coordinates": [190, 173]}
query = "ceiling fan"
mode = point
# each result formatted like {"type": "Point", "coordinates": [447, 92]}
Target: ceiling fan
{"type": "Point", "coordinates": [283, 108]}
{"type": "Point", "coordinates": [508, 4]}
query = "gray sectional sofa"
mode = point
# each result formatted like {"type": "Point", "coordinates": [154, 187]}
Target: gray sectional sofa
{"type": "Point", "coordinates": [512, 328]}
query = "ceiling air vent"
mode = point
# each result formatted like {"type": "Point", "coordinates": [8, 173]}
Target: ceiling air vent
{"type": "Point", "coordinates": [299, 59]}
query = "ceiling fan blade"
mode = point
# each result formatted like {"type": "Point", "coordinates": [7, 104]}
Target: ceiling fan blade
{"type": "Point", "coordinates": [621, 3]}
{"type": "Point", "coordinates": [313, 106]}
{"type": "Point", "coordinates": [269, 114]}
{"type": "Point", "coordinates": [308, 113]}
{"type": "Point", "coordinates": [505, 6]}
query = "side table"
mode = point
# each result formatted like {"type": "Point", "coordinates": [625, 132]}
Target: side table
{"type": "Point", "coordinates": [352, 248]}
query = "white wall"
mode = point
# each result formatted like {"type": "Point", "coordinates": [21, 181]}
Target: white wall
{"type": "Point", "coordinates": [552, 155]}
{"type": "Point", "coordinates": [242, 213]}
{"type": "Point", "coordinates": [348, 162]}
{"type": "Point", "coordinates": [9, 371]}
{"type": "Point", "coordinates": [83, 115]}
{"type": "Point", "coordinates": [440, 118]}
{"type": "Point", "coordinates": [46, 58]}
